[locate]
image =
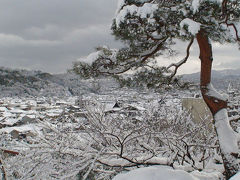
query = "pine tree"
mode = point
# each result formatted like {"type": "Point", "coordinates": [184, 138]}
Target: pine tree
{"type": "Point", "coordinates": [149, 28]}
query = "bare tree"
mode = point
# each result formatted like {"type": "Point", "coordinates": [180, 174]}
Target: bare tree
{"type": "Point", "coordinates": [107, 143]}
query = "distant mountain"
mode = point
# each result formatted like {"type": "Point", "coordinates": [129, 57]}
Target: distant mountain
{"type": "Point", "coordinates": [215, 74]}
{"type": "Point", "coordinates": [220, 79]}
{"type": "Point", "coordinates": [38, 83]}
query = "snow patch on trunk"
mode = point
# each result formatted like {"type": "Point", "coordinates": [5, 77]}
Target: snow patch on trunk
{"type": "Point", "coordinates": [227, 137]}
{"type": "Point", "coordinates": [212, 92]}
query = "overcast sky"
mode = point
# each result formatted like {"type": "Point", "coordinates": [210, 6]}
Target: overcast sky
{"type": "Point", "coordinates": [49, 35]}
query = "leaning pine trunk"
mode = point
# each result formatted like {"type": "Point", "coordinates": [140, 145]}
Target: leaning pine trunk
{"type": "Point", "coordinates": [217, 104]}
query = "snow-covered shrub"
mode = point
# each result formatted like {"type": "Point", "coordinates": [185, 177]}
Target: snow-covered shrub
{"type": "Point", "coordinates": [109, 142]}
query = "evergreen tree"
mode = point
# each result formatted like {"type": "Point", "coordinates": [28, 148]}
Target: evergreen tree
{"type": "Point", "coordinates": [149, 28]}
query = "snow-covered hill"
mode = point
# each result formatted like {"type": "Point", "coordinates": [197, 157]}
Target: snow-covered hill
{"type": "Point", "coordinates": [37, 83]}
{"type": "Point", "coordinates": [24, 83]}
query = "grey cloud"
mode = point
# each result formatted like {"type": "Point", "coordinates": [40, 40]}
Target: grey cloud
{"type": "Point", "coordinates": [58, 57]}
{"type": "Point", "coordinates": [225, 56]}
{"type": "Point", "coordinates": [50, 34]}
{"type": "Point", "coordinates": [17, 16]}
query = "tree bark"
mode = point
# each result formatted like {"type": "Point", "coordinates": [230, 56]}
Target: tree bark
{"type": "Point", "coordinates": [205, 77]}
{"type": "Point", "coordinates": [216, 105]}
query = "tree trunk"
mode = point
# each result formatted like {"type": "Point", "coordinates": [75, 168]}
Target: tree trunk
{"type": "Point", "coordinates": [217, 105]}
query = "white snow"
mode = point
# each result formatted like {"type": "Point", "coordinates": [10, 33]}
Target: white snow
{"type": "Point", "coordinates": [10, 121]}
{"type": "Point", "coordinates": [218, 1]}
{"type": "Point", "coordinates": [227, 137]}
{"type": "Point", "coordinates": [17, 111]}
{"type": "Point", "coordinates": [121, 15]}
{"type": "Point", "coordinates": [3, 109]}
{"type": "Point", "coordinates": [236, 177]}
{"type": "Point", "coordinates": [55, 106]}
{"type": "Point", "coordinates": [31, 102]}
{"type": "Point", "coordinates": [207, 175]}
{"type": "Point", "coordinates": [24, 128]}
{"type": "Point", "coordinates": [193, 27]}
{"type": "Point", "coordinates": [143, 12]}
{"type": "Point", "coordinates": [167, 173]}
{"type": "Point", "coordinates": [212, 92]}
{"type": "Point", "coordinates": [91, 57]}
{"type": "Point", "coordinates": [31, 116]}
{"type": "Point", "coordinates": [232, 31]}
{"type": "Point", "coordinates": [155, 173]}
{"type": "Point", "coordinates": [159, 160]}
{"type": "Point", "coordinates": [6, 114]}
{"type": "Point", "coordinates": [115, 162]}
{"type": "Point", "coordinates": [119, 5]}
{"type": "Point", "coordinates": [147, 9]}
{"type": "Point", "coordinates": [195, 5]}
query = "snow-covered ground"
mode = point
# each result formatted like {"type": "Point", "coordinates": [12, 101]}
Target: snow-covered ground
{"type": "Point", "coordinates": [25, 120]}
{"type": "Point", "coordinates": [166, 173]}
{"type": "Point", "coordinates": [21, 114]}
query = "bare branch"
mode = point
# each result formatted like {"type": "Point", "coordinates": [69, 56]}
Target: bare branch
{"type": "Point", "coordinates": [226, 16]}
{"type": "Point", "coordinates": [235, 30]}
{"type": "Point", "coordinates": [180, 63]}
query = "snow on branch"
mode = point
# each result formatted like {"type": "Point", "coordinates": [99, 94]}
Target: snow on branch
{"type": "Point", "coordinates": [144, 11]}
{"type": "Point", "coordinates": [193, 27]}
{"type": "Point", "coordinates": [196, 4]}
{"type": "Point", "coordinates": [101, 53]}
{"type": "Point", "coordinates": [230, 21]}
{"type": "Point", "coordinates": [91, 57]}
{"type": "Point", "coordinates": [235, 31]}
{"type": "Point", "coordinates": [113, 61]}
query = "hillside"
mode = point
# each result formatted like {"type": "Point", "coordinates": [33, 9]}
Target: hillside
{"type": "Point", "coordinates": [220, 79]}
{"type": "Point", "coordinates": [37, 83]}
